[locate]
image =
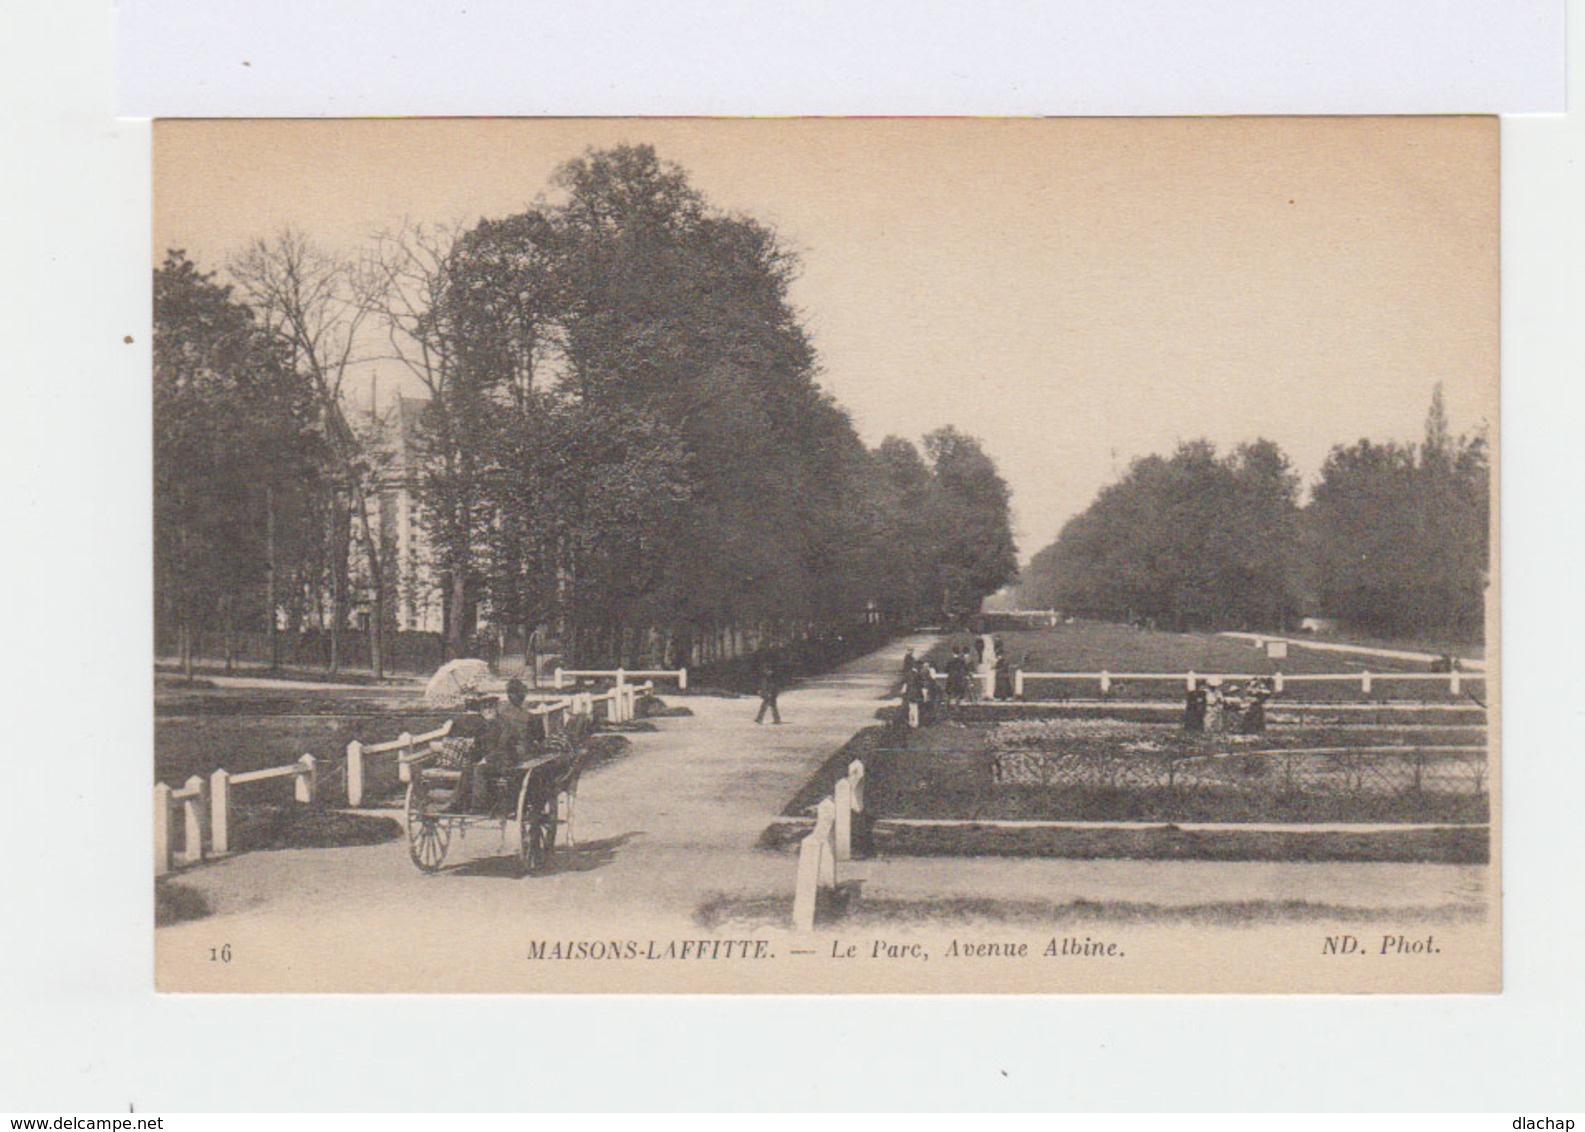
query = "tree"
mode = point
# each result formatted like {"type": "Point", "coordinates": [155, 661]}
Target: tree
{"type": "Point", "coordinates": [971, 522]}
{"type": "Point", "coordinates": [683, 311]}
{"type": "Point", "coordinates": [469, 314]}
{"type": "Point", "coordinates": [233, 456]}
{"type": "Point", "coordinates": [317, 304]}
{"type": "Point", "coordinates": [1401, 533]}
{"type": "Point", "coordinates": [1195, 539]}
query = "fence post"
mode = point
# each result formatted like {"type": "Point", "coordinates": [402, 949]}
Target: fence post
{"type": "Point", "coordinates": [1018, 683]}
{"type": "Point", "coordinates": [825, 831]}
{"type": "Point", "coordinates": [404, 769]}
{"type": "Point", "coordinates": [220, 811]}
{"type": "Point", "coordinates": [194, 818]}
{"type": "Point", "coordinates": [682, 679]}
{"type": "Point", "coordinates": [856, 777]}
{"type": "Point", "coordinates": [558, 678]}
{"type": "Point", "coordinates": [1190, 681]}
{"type": "Point", "coordinates": [842, 799]}
{"type": "Point", "coordinates": [1106, 682]}
{"type": "Point", "coordinates": [354, 773]}
{"type": "Point", "coordinates": [1364, 682]}
{"type": "Point", "coordinates": [304, 781]}
{"type": "Point", "coordinates": [807, 887]}
{"type": "Point", "coordinates": [1453, 682]}
{"type": "Point", "coordinates": [1276, 682]}
{"type": "Point", "coordinates": [162, 829]}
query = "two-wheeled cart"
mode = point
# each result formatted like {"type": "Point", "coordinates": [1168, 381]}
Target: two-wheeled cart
{"type": "Point", "coordinates": [445, 800]}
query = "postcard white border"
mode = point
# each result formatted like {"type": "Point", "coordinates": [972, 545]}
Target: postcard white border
{"type": "Point", "coordinates": [86, 1032]}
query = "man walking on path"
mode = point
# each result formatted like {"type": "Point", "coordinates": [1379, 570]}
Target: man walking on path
{"type": "Point", "coordinates": [768, 690]}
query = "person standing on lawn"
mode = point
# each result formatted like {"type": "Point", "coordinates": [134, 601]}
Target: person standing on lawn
{"type": "Point", "coordinates": [957, 676]}
{"type": "Point", "coordinates": [1004, 677]}
{"type": "Point", "coordinates": [914, 693]}
{"type": "Point", "coordinates": [769, 689]}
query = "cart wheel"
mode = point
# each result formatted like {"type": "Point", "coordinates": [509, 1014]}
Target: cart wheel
{"type": "Point", "coordinates": [537, 836]}
{"type": "Point", "coordinates": [428, 837]}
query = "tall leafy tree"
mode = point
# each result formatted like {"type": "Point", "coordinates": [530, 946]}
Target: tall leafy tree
{"type": "Point", "coordinates": [318, 304]}
{"type": "Point", "coordinates": [971, 524]}
{"type": "Point", "coordinates": [1195, 539]}
{"type": "Point", "coordinates": [234, 456]}
{"type": "Point", "coordinates": [1401, 533]}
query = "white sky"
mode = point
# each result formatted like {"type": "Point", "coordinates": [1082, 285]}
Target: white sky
{"type": "Point", "coordinates": [1074, 292]}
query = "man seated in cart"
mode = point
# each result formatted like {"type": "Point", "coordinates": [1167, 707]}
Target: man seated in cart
{"type": "Point", "coordinates": [503, 747]}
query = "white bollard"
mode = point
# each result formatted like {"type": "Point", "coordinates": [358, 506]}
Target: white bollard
{"type": "Point", "coordinates": [856, 777]}
{"type": "Point", "coordinates": [807, 888]}
{"type": "Point", "coordinates": [354, 773]}
{"type": "Point", "coordinates": [825, 832]}
{"type": "Point", "coordinates": [162, 829]}
{"type": "Point", "coordinates": [220, 812]}
{"type": "Point", "coordinates": [194, 818]}
{"type": "Point", "coordinates": [842, 799]}
{"type": "Point", "coordinates": [304, 780]}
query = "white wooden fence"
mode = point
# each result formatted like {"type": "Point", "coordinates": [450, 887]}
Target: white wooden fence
{"type": "Point", "coordinates": [831, 841]}
{"type": "Point", "coordinates": [616, 705]}
{"type": "Point", "coordinates": [406, 745]}
{"type": "Point", "coordinates": [206, 803]}
{"type": "Point", "coordinates": [1279, 681]}
{"type": "Point", "coordinates": [623, 675]}
{"type": "Point", "coordinates": [206, 810]}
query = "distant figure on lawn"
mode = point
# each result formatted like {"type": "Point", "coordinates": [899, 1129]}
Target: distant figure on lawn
{"type": "Point", "coordinates": [1004, 677]}
{"type": "Point", "coordinates": [915, 684]}
{"type": "Point", "coordinates": [1215, 702]}
{"type": "Point", "coordinates": [930, 691]}
{"type": "Point", "coordinates": [958, 675]}
{"type": "Point", "coordinates": [1194, 705]}
{"type": "Point", "coordinates": [769, 689]}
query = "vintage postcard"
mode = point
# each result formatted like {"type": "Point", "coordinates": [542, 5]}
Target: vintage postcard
{"type": "Point", "coordinates": [826, 555]}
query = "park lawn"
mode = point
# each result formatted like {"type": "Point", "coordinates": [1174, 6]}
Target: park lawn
{"type": "Point", "coordinates": [1093, 646]}
{"type": "Point", "coordinates": [198, 730]}
{"type": "Point", "coordinates": [1435, 645]}
{"type": "Point", "coordinates": [198, 734]}
{"type": "Point", "coordinates": [1097, 646]}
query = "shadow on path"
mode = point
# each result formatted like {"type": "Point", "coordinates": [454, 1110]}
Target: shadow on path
{"type": "Point", "coordinates": [582, 858]}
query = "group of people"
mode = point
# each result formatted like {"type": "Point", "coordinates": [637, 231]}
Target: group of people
{"type": "Point", "coordinates": [489, 738]}
{"type": "Point", "coordinates": [925, 689]}
{"type": "Point", "coordinates": [1238, 709]}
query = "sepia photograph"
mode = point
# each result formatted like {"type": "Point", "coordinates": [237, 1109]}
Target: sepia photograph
{"type": "Point", "coordinates": [883, 555]}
